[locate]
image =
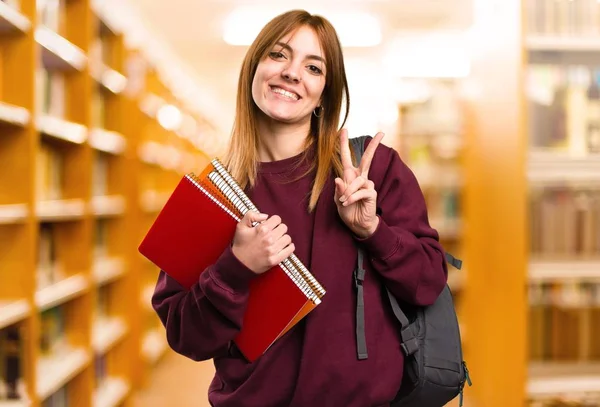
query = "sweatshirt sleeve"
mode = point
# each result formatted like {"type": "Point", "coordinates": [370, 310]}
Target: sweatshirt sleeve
{"type": "Point", "coordinates": [201, 322]}
{"type": "Point", "coordinates": [404, 250]}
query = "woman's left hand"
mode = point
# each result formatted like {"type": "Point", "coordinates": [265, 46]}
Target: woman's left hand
{"type": "Point", "coordinates": [355, 195]}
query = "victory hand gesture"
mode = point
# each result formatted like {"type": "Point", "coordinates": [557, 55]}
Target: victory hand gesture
{"type": "Point", "coordinates": [355, 195]}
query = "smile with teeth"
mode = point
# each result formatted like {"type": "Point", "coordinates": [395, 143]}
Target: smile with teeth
{"type": "Point", "coordinates": [285, 93]}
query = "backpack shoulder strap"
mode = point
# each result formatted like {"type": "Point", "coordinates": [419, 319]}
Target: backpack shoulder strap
{"type": "Point", "coordinates": [358, 145]}
{"type": "Point", "coordinates": [409, 341]}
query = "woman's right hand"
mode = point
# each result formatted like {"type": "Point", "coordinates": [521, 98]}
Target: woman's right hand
{"type": "Point", "coordinates": [264, 246]}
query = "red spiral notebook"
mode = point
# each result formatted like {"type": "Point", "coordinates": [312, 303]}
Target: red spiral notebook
{"type": "Point", "coordinates": [194, 228]}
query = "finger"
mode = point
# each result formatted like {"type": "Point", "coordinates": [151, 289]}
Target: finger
{"type": "Point", "coordinates": [281, 244]}
{"type": "Point", "coordinates": [345, 150]}
{"type": "Point", "coordinates": [268, 225]}
{"type": "Point", "coordinates": [283, 254]}
{"type": "Point", "coordinates": [279, 231]}
{"type": "Point", "coordinates": [253, 216]}
{"type": "Point", "coordinates": [361, 195]}
{"type": "Point", "coordinates": [354, 186]}
{"type": "Point", "coordinates": [367, 158]}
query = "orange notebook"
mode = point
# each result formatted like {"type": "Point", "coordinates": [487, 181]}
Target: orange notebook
{"type": "Point", "coordinates": [194, 228]}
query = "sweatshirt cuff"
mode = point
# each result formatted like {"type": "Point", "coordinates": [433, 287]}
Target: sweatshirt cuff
{"type": "Point", "coordinates": [383, 243]}
{"type": "Point", "coordinates": [230, 273]}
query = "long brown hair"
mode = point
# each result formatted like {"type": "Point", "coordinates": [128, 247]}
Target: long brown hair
{"type": "Point", "coordinates": [241, 158]}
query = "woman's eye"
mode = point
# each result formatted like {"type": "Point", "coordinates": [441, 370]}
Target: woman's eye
{"type": "Point", "coordinates": [276, 54]}
{"type": "Point", "coordinates": [315, 69]}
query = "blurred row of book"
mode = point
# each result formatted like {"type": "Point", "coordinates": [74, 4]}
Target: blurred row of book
{"type": "Point", "coordinates": [86, 167]}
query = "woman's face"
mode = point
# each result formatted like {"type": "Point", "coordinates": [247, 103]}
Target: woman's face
{"type": "Point", "coordinates": [288, 83]}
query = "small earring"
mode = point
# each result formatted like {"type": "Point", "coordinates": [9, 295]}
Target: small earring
{"type": "Point", "coordinates": [320, 108]}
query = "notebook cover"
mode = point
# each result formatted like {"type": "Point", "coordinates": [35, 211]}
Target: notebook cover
{"type": "Point", "coordinates": [189, 234]}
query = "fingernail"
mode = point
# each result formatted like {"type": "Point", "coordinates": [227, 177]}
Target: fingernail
{"type": "Point", "coordinates": [342, 198]}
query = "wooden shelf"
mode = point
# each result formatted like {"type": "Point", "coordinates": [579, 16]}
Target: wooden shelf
{"type": "Point", "coordinates": [55, 371]}
{"type": "Point", "coordinates": [13, 311]}
{"type": "Point", "coordinates": [70, 112]}
{"type": "Point", "coordinates": [564, 270]}
{"type": "Point", "coordinates": [108, 270]}
{"type": "Point", "coordinates": [112, 205]}
{"type": "Point", "coordinates": [109, 142]}
{"type": "Point", "coordinates": [111, 393]}
{"type": "Point", "coordinates": [11, 114]}
{"type": "Point", "coordinates": [61, 129]}
{"type": "Point", "coordinates": [154, 346]}
{"type": "Point", "coordinates": [559, 379]}
{"type": "Point", "coordinates": [15, 403]}
{"type": "Point", "coordinates": [61, 291]}
{"type": "Point", "coordinates": [562, 43]}
{"type": "Point", "coordinates": [15, 213]}
{"type": "Point", "coordinates": [58, 53]}
{"type": "Point", "coordinates": [12, 20]}
{"type": "Point", "coordinates": [110, 79]}
{"type": "Point", "coordinates": [547, 167]}
{"type": "Point", "coordinates": [106, 333]}
{"type": "Point", "coordinates": [60, 210]}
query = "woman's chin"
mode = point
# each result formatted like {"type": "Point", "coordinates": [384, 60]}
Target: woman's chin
{"type": "Point", "coordinates": [285, 116]}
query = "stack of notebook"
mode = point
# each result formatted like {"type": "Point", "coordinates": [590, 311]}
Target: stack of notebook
{"type": "Point", "coordinates": [191, 232]}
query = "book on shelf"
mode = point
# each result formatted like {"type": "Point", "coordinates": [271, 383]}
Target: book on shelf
{"type": "Point", "coordinates": [12, 386]}
{"type": "Point", "coordinates": [60, 398]}
{"type": "Point", "coordinates": [565, 223]}
{"type": "Point", "coordinates": [100, 370]}
{"type": "Point", "coordinates": [48, 269]}
{"type": "Point", "coordinates": [50, 91]}
{"type": "Point", "coordinates": [53, 338]}
{"type": "Point", "coordinates": [564, 107]}
{"type": "Point", "coordinates": [101, 239]}
{"type": "Point", "coordinates": [49, 173]}
{"type": "Point", "coordinates": [195, 227]}
{"type": "Point", "coordinates": [564, 321]}
{"type": "Point", "coordinates": [564, 17]}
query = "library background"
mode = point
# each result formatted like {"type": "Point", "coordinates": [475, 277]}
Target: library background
{"type": "Point", "coordinates": [105, 105]}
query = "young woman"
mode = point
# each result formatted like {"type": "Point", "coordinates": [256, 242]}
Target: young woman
{"type": "Point", "coordinates": [296, 166]}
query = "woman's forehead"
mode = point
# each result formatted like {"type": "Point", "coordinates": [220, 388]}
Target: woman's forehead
{"type": "Point", "coordinates": [303, 40]}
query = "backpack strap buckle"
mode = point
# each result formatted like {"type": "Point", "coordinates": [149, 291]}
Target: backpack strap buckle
{"type": "Point", "coordinates": [359, 276]}
{"type": "Point", "coordinates": [409, 342]}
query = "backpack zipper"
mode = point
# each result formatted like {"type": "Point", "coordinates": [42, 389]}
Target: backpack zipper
{"type": "Point", "coordinates": [462, 384]}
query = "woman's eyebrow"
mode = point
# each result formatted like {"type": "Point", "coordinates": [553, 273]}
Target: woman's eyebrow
{"type": "Point", "coordinates": [287, 47]}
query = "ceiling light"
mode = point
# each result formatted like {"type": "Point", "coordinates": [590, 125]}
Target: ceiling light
{"type": "Point", "coordinates": [244, 23]}
{"type": "Point", "coordinates": [169, 117]}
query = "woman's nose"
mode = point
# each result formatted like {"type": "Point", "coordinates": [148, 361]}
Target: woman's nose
{"type": "Point", "coordinates": [290, 73]}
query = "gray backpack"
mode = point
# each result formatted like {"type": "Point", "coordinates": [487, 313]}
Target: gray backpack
{"type": "Point", "coordinates": [434, 369]}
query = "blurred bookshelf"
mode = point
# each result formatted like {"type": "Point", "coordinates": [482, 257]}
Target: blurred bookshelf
{"type": "Point", "coordinates": [85, 169]}
{"type": "Point", "coordinates": [562, 87]}
{"type": "Point", "coordinates": [430, 140]}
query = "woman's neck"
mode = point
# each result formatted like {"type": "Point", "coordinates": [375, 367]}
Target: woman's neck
{"type": "Point", "coordinates": [279, 141]}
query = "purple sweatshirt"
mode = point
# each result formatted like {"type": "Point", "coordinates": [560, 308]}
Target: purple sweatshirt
{"type": "Point", "coordinates": [315, 363]}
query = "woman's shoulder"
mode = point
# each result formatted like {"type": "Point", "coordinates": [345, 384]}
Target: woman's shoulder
{"type": "Point", "coordinates": [386, 161]}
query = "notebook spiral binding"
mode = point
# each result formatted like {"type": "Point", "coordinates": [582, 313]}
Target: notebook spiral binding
{"type": "Point", "coordinates": [317, 288]}
{"type": "Point", "coordinates": [293, 276]}
{"type": "Point", "coordinates": [292, 272]}
{"type": "Point", "coordinates": [292, 266]}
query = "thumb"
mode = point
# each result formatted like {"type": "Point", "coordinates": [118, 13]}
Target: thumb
{"type": "Point", "coordinates": [253, 216]}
